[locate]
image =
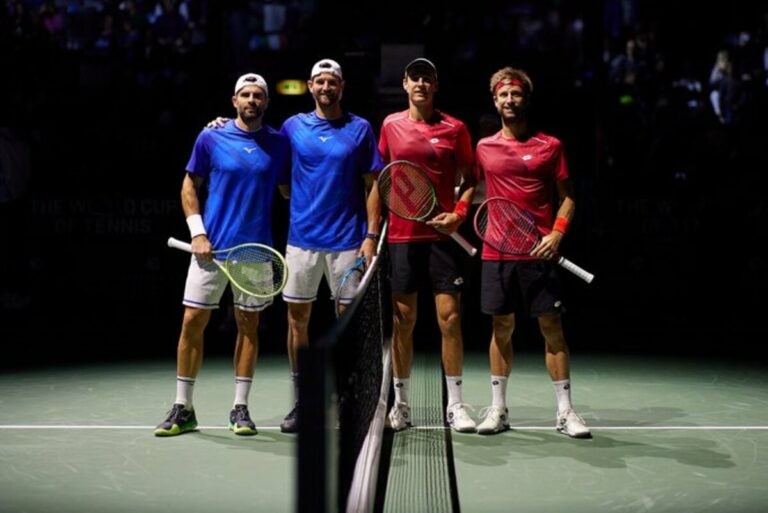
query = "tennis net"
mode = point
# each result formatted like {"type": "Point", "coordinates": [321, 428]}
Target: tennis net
{"type": "Point", "coordinates": [344, 382]}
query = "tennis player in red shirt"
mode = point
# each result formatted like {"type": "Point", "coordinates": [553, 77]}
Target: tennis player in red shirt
{"type": "Point", "coordinates": [423, 254]}
{"type": "Point", "coordinates": [528, 167]}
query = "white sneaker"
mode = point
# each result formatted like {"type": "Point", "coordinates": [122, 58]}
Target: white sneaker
{"type": "Point", "coordinates": [569, 423]}
{"type": "Point", "coordinates": [496, 420]}
{"type": "Point", "coordinates": [459, 419]}
{"type": "Point", "coordinates": [399, 417]}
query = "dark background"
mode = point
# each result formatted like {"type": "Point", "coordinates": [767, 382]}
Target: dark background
{"type": "Point", "coordinates": [101, 101]}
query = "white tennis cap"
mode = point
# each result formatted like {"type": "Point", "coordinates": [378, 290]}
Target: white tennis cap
{"type": "Point", "coordinates": [326, 66]}
{"type": "Point", "coordinates": [251, 79]}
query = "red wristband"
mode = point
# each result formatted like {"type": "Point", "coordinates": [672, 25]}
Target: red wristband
{"type": "Point", "coordinates": [461, 209]}
{"type": "Point", "coordinates": [561, 224]}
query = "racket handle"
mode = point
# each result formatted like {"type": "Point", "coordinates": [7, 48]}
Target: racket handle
{"type": "Point", "coordinates": [464, 243]}
{"type": "Point", "coordinates": [178, 244]}
{"type": "Point", "coordinates": [575, 269]}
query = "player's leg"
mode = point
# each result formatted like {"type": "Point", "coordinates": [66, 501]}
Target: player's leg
{"type": "Point", "coordinates": [189, 352]}
{"type": "Point", "coordinates": [501, 356]}
{"type": "Point", "coordinates": [408, 265]}
{"type": "Point", "coordinates": [245, 357]}
{"type": "Point", "coordinates": [499, 298]}
{"type": "Point", "coordinates": [447, 308]}
{"type": "Point", "coordinates": [203, 290]}
{"type": "Point", "coordinates": [447, 281]}
{"type": "Point", "coordinates": [543, 294]}
{"type": "Point", "coordinates": [300, 292]}
{"type": "Point", "coordinates": [404, 320]}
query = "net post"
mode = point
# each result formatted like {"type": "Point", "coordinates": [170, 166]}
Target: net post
{"type": "Point", "coordinates": [317, 446]}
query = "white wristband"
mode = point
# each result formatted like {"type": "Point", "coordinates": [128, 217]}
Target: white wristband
{"type": "Point", "coordinates": [195, 223]}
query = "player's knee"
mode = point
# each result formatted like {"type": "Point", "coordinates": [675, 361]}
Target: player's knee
{"type": "Point", "coordinates": [195, 319]}
{"type": "Point", "coordinates": [404, 318]}
{"type": "Point", "coordinates": [550, 326]}
{"type": "Point", "coordinates": [504, 325]}
{"type": "Point", "coordinates": [247, 322]}
{"type": "Point", "coordinates": [449, 319]}
{"type": "Point", "coordinates": [298, 315]}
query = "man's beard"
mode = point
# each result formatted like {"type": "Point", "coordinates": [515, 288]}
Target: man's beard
{"type": "Point", "coordinates": [517, 114]}
{"type": "Point", "coordinates": [249, 117]}
{"type": "Point", "coordinates": [328, 100]}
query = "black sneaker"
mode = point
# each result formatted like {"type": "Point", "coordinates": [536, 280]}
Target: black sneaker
{"type": "Point", "coordinates": [180, 420]}
{"type": "Point", "coordinates": [290, 424]}
{"type": "Point", "coordinates": [240, 421]}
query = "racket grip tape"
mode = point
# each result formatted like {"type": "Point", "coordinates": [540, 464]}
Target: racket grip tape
{"type": "Point", "coordinates": [177, 244]}
{"type": "Point", "coordinates": [575, 269]}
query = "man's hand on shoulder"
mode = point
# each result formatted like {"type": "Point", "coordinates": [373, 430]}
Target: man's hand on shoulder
{"type": "Point", "coordinates": [217, 123]}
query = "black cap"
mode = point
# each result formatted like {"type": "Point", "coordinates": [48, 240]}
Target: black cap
{"type": "Point", "coordinates": [421, 63]}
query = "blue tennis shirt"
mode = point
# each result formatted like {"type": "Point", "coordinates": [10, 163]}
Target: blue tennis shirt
{"type": "Point", "coordinates": [242, 170]}
{"type": "Point", "coordinates": [329, 159]}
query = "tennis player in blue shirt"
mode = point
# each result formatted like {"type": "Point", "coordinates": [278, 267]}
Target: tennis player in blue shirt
{"type": "Point", "coordinates": [240, 166]}
{"type": "Point", "coordinates": [335, 159]}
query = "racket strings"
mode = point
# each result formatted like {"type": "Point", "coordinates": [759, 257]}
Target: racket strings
{"type": "Point", "coordinates": [349, 284]}
{"type": "Point", "coordinates": [507, 228]}
{"type": "Point", "coordinates": [256, 270]}
{"type": "Point", "coordinates": [407, 192]}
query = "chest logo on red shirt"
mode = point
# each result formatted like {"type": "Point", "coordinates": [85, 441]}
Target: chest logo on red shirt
{"type": "Point", "coordinates": [434, 140]}
{"type": "Point", "coordinates": [527, 157]}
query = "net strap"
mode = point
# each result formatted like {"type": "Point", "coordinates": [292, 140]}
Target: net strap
{"type": "Point", "coordinates": [362, 491]}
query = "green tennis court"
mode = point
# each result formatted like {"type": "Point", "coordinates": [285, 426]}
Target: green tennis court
{"type": "Point", "coordinates": [669, 435]}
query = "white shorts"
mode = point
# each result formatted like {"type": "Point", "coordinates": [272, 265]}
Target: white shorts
{"type": "Point", "coordinates": [306, 268]}
{"type": "Point", "coordinates": [206, 284]}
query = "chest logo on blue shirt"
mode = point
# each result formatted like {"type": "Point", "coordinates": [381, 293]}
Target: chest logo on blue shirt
{"type": "Point", "coordinates": [324, 137]}
{"type": "Point", "coordinates": [250, 149]}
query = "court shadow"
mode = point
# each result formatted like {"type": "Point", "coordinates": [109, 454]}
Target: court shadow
{"type": "Point", "coordinates": [270, 442]}
{"type": "Point", "coordinates": [605, 417]}
{"type": "Point", "coordinates": [603, 450]}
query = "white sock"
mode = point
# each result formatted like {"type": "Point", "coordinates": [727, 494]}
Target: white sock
{"type": "Point", "coordinates": [563, 393]}
{"type": "Point", "coordinates": [242, 389]}
{"type": "Point", "coordinates": [499, 391]}
{"type": "Point", "coordinates": [454, 389]}
{"type": "Point", "coordinates": [295, 381]}
{"type": "Point", "coordinates": [401, 389]}
{"type": "Point", "coordinates": [184, 388]}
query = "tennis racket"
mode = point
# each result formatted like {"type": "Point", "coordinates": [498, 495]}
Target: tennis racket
{"type": "Point", "coordinates": [254, 269]}
{"type": "Point", "coordinates": [349, 284]}
{"type": "Point", "coordinates": [408, 192]}
{"type": "Point", "coordinates": [510, 229]}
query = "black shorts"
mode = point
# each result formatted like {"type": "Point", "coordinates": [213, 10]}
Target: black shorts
{"type": "Point", "coordinates": [529, 287]}
{"type": "Point", "coordinates": [414, 264]}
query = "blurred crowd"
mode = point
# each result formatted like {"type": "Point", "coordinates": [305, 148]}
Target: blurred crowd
{"type": "Point", "coordinates": [650, 72]}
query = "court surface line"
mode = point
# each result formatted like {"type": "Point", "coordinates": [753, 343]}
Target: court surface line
{"type": "Point", "coordinates": [428, 428]}
{"type": "Point", "coordinates": [75, 426]}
